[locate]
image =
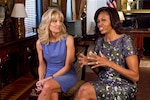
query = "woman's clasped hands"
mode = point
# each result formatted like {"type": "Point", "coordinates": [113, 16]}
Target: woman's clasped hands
{"type": "Point", "coordinates": [40, 83]}
{"type": "Point", "coordinates": [93, 59]}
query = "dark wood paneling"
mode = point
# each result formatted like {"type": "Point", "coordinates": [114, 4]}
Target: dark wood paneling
{"type": "Point", "coordinates": [17, 58]}
{"type": "Point", "coordinates": [146, 4]}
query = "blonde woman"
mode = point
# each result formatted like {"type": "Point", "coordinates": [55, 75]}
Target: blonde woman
{"type": "Point", "coordinates": [55, 50]}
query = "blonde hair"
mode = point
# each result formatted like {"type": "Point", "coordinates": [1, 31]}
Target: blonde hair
{"type": "Point", "coordinates": [47, 18]}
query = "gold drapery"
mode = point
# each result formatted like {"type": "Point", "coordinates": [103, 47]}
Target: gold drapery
{"type": "Point", "coordinates": [81, 8]}
{"type": "Point", "coordinates": [77, 8]}
{"type": "Point", "coordinates": [74, 9]}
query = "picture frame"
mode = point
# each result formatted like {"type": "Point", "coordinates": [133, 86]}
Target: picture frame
{"type": "Point", "coordinates": [8, 4]}
{"type": "Point", "coordinates": [55, 3]}
{"type": "Point", "coordinates": [2, 14]}
{"type": "Point", "coordinates": [6, 26]}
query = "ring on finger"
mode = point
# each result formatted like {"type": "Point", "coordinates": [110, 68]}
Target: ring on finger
{"type": "Point", "coordinates": [97, 62]}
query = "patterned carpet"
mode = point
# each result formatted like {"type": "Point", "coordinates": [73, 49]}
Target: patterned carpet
{"type": "Point", "coordinates": [19, 89]}
{"type": "Point", "coordinates": [144, 84]}
{"type": "Point", "coordinates": [145, 63]}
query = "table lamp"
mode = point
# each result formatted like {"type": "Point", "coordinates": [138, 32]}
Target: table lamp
{"type": "Point", "coordinates": [19, 12]}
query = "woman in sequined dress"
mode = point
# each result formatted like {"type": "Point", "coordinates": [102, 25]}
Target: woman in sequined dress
{"type": "Point", "coordinates": [114, 60]}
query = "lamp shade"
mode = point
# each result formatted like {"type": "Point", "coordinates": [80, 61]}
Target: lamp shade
{"type": "Point", "coordinates": [19, 11]}
{"type": "Point", "coordinates": [121, 15]}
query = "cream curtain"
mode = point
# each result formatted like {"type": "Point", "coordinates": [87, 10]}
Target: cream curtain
{"type": "Point", "coordinates": [74, 9]}
{"type": "Point", "coordinates": [81, 8]}
{"type": "Point", "coordinates": [77, 8]}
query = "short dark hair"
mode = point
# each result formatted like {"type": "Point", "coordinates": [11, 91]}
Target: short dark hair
{"type": "Point", "coordinates": [114, 18]}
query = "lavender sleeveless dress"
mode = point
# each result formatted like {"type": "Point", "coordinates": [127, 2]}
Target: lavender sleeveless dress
{"type": "Point", "coordinates": [55, 56]}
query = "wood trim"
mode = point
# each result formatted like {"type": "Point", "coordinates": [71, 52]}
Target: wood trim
{"type": "Point", "coordinates": [74, 9]}
{"type": "Point", "coordinates": [45, 4]}
{"type": "Point", "coordinates": [63, 7]}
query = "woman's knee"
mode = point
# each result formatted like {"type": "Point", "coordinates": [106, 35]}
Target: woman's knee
{"type": "Point", "coordinates": [86, 92]}
{"type": "Point", "coordinates": [84, 89]}
{"type": "Point", "coordinates": [51, 85]}
{"type": "Point", "coordinates": [48, 86]}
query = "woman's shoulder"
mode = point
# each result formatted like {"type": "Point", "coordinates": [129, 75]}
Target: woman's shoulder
{"type": "Point", "coordinates": [100, 39]}
{"type": "Point", "coordinates": [127, 38]}
{"type": "Point", "coordinates": [69, 37]}
{"type": "Point", "coordinates": [70, 40]}
{"type": "Point", "coordinates": [38, 42]}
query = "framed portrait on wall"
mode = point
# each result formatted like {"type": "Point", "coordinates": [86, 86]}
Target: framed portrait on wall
{"type": "Point", "coordinates": [55, 3]}
{"type": "Point", "coordinates": [6, 25]}
{"type": "Point", "coordinates": [8, 4]}
{"type": "Point", "coordinates": [2, 14]}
